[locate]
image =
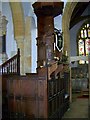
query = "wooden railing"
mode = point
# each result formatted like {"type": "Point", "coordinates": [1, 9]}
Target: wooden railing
{"type": "Point", "coordinates": [11, 66]}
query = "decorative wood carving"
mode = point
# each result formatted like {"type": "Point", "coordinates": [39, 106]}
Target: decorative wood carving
{"type": "Point", "coordinates": [46, 11]}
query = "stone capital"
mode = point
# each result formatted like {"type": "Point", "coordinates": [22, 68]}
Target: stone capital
{"type": "Point", "coordinates": [3, 57]}
{"type": "Point", "coordinates": [3, 24]}
{"type": "Point", "coordinates": [19, 38]}
{"type": "Point", "coordinates": [20, 41]}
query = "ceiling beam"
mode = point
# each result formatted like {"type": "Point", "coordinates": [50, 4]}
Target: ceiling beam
{"type": "Point", "coordinates": [78, 19]}
{"type": "Point", "coordinates": [79, 9]}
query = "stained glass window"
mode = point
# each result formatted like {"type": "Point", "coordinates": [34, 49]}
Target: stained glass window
{"type": "Point", "coordinates": [85, 33]}
{"type": "Point", "coordinates": [84, 42]}
{"type": "Point", "coordinates": [89, 32]}
{"type": "Point", "coordinates": [81, 47]}
{"type": "Point", "coordinates": [87, 45]}
{"type": "Point", "coordinates": [82, 34]}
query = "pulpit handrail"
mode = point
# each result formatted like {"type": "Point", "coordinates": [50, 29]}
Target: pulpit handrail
{"type": "Point", "coordinates": [11, 66]}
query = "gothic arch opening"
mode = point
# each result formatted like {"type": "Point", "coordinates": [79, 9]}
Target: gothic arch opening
{"type": "Point", "coordinates": [66, 22]}
{"type": "Point", "coordinates": [66, 34]}
{"type": "Point", "coordinates": [83, 42]}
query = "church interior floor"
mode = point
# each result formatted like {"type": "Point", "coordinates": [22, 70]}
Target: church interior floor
{"type": "Point", "coordinates": [78, 107]}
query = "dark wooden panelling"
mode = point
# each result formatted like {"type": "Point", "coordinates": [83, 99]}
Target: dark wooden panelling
{"type": "Point", "coordinates": [36, 96]}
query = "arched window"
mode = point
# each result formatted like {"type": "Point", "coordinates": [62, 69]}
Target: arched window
{"type": "Point", "coordinates": [84, 42]}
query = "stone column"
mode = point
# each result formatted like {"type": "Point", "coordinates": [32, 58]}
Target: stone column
{"type": "Point", "coordinates": [65, 26]}
{"type": "Point", "coordinates": [3, 30]}
{"type": "Point", "coordinates": [20, 45]}
{"type": "Point", "coordinates": [66, 34]}
{"type": "Point", "coordinates": [27, 45]}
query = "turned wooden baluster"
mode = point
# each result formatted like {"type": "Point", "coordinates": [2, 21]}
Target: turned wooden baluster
{"type": "Point", "coordinates": [11, 66]}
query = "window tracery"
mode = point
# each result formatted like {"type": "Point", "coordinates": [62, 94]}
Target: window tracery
{"type": "Point", "coordinates": [84, 42]}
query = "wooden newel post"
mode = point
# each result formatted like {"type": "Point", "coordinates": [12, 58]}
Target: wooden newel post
{"type": "Point", "coordinates": [89, 85]}
{"type": "Point", "coordinates": [18, 61]}
{"type": "Point", "coordinates": [45, 12]}
{"type": "Point", "coordinates": [46, 65]}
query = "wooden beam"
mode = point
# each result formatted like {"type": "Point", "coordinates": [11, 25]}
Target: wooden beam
{"type": "Point", "coordinates": [78, 19]}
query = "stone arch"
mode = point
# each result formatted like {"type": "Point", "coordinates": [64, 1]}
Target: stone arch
{"type": "Point", "coordinates": [66, 33]}
{"type": "Point", "coordinates": [70, 6]}
{"type": "Point", "coordinates": [22, 34]}
{"type": "Point", "coordinates": [19, 29]}
{"type": "Point", "coordinates": [65, 25]}
{"type": "Point", "coordinates": [18, 18]}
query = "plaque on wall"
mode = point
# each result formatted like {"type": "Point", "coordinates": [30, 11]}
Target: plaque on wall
{"type": "Point", "coordinates": [58, 39]}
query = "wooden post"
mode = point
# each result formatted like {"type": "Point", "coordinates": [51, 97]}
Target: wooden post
{"type": "Point", "coordinates": [18, 61]}
{"type": "Point", "coordinates": [46, 11]}
{"type": "Point", "coordinates": [89, 86]}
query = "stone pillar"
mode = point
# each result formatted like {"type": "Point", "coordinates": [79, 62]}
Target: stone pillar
{"type": "Point", "coordinates": [3, 30]}
{"type": "Point", "coordinates": [20, 45]}
{"type": "Point", "coordinates": [46, 11]}
{"type": "Point", "coordinates": [27, 45]}
{"type": "Point", "coordinates": [66, 33]}
{"type": "Point", "coordinates": [65, 25]}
